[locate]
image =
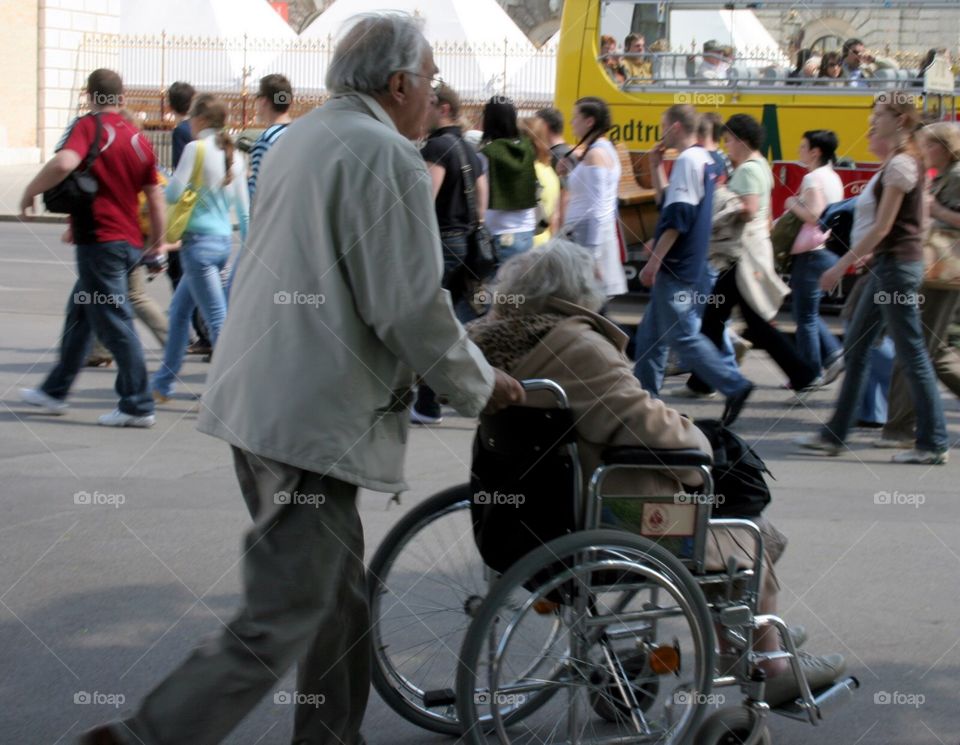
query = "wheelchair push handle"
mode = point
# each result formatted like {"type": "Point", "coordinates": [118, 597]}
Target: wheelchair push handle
{"type": "Point", "coordinates": [531, 385]}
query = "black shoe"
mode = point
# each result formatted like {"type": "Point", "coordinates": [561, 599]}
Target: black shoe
{"type": "Point", "coordinates": [735, 405]}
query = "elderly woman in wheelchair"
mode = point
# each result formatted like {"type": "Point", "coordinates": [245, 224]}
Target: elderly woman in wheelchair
{"type": "Point", "coordinates": [584, 618]}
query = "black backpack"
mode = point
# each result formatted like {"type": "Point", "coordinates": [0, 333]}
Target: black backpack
{"type": "Point", "coordinates": [738, 473]}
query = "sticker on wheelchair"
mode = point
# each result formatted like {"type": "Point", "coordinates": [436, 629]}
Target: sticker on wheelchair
{"type": "Point", "coordinates": [661, 519]}
{"type": "Point", "coordinates": [672, 526]}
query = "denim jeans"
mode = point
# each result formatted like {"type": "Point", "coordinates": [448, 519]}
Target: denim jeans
{"type": "Point", "coordinates": [889, 300]}
{"type": "Point", "coordinates": [203, 258]}
{"type": "Point", "coordinates": [513, 244]}
{"type": "Point", "coordinates": [672, 319]}
{"type": "Point", "coordinates": [814, 342]}
{"type": "Point", "coordinates": [99, 303]}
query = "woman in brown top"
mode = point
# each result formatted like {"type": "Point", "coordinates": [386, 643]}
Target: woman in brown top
{"type": "Point", "coordinates": [892, 297]}
{"type": "Point", "coordinates": [941, 150]}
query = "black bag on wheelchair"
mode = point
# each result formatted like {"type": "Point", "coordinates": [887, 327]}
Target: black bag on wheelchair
{"type": "Point", "coordinates": [738, 473]}
{"type": "Point", "coordinates": [523, 480]}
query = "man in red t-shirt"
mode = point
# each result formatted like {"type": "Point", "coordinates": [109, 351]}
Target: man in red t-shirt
{"type": "Point", "coordinates": [109, 245]}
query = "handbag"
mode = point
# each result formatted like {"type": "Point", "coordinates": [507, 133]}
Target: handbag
{"type": "Point", "coordinates": [75, 194]}
{"type": "Point", "coordinates": [941, 259]}
{"type": "Point", "coordinates": [178, 216]}
{"type": "Point", "coordinates": [783, 236]}
{"type": "Point", "coordinates": [482, 260]}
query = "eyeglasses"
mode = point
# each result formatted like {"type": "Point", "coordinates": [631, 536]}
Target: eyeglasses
{"type": "Point", "coordinates": [436, 82]}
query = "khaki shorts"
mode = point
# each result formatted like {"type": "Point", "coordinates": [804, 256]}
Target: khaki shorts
{"type": "Point", "coordinates": [722, 543]}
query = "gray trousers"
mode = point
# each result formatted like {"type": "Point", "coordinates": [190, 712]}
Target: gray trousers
{"type": "Point", "coordinates": [305, 602]}
{"type": "Point", "coordinates": [938, 309]}
{"type": "Point", "coordinates": [144, 307]}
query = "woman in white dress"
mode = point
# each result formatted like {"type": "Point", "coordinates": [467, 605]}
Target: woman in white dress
{"type": "Point", "coordinates": [591, 213]}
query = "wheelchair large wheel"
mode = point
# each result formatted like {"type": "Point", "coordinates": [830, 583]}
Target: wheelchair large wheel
{"type": "Point", "coordinates": [632, 663]}
{"type": "Point", "coordinates": [426, 582]}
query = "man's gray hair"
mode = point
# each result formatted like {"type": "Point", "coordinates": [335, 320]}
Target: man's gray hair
{"type": "Point", "coordinates": [376, 46]}
{"type": "Point", "coordinates": [561, 269]}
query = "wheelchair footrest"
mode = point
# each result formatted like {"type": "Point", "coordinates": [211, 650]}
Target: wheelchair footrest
{"type": "Point", "coordinates": [439, 697]}
{"type": "Point", "coordinates": [825, 699]}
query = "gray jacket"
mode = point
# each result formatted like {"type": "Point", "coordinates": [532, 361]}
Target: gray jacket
{"type": "Point", "coordinates": [336, 301]}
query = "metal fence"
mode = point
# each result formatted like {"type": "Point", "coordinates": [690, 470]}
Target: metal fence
{"type": "Point", "coordinates": [232, 68]}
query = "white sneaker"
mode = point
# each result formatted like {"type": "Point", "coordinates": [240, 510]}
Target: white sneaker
{"type": "Point", "coordinates": [417, 418]}
{"type": "Point", "coordinates": [892, 443]}
{"type": "Point", "coordinates": [923, 457]}
{"type": "Point", "coordinates": [49, 404]}
{"type": "Point", "coordinates": [117, 418]}
{"type": "Point", "coordinates": [833, 371]}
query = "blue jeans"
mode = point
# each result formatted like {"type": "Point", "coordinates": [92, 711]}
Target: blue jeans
{"type": "Point", "coordinates": [890, 300]}
{"type": "Point", "coordinates": [203, 258]}
{"type": "Point", "coordinates": [672, 319]}
{"type": "Point", "coordinates": [513, 244]}
{"type": "Point", "coordinates": [98, 303]}
{"type": "Point", "coordinates": [814, 342]}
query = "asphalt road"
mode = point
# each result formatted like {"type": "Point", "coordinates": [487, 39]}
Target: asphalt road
{"type": "Point", "coordinates": [105, 598]}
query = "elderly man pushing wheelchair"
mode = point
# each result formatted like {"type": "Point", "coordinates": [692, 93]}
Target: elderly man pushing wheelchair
{"type": "Point", "coordinates": [336, 302]}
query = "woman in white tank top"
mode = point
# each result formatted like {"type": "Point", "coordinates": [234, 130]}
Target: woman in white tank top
{"type": "Point", "coordinates": [591, 213]}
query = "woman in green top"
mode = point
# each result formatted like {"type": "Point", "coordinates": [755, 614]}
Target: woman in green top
{"type": "Point", "coordinates": [512, 177]}
{"type": "Point", "coordinates": [751, 281]}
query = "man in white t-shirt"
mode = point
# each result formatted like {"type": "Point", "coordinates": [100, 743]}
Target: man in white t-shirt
{"type": "Point", "coordinates": [676, 269]}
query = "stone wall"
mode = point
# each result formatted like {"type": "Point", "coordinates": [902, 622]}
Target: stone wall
{"type": "Point", "coordinates": [883, 32]}
{"type": "Point", "coordinates": [63, 24]}
{"type": "Point", "coordinates": [18, 85]}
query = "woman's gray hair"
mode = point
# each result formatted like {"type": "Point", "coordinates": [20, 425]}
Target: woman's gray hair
{"type": "Point", "coordinates": [375, 46]}
{"type": "Point", "coordinates": [561, 269]}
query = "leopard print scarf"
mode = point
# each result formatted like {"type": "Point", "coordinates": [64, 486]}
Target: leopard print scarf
{"type": "Point", "coordinates": [505, 340]}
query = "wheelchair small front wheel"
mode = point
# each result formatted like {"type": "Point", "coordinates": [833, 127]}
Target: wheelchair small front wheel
{"type": "Point", "coordinates": [732, 726]}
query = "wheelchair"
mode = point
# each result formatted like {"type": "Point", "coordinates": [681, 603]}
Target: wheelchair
{"type": "Point", "coordinates": [502, 610]}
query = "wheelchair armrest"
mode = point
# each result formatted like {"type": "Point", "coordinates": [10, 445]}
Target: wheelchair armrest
{"type": "Point", "coordinates": [640, 456]}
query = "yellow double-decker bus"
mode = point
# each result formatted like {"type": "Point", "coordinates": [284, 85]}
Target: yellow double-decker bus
{"type": "Point", "coordinates": [741, 69]}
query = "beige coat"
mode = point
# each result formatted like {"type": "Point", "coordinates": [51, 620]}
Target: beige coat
{"type": "Point", "coordinates": [336, 301]}
{"type": "Point", "coordinates": [584, 354]}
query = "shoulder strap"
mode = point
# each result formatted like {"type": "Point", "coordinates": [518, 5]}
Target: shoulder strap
{"type": "Point", "coordinates": [196, 173]}
{"type": "Point", "coordinates": [469, 181]}
{"type": "Point", "coordinates": [94, 152]}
